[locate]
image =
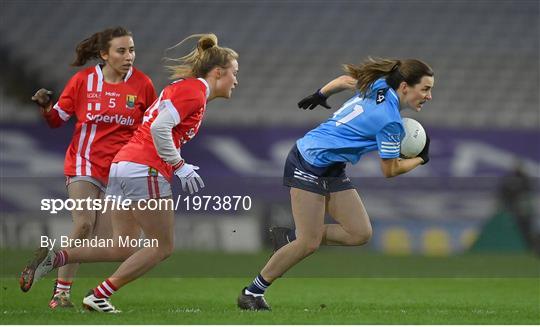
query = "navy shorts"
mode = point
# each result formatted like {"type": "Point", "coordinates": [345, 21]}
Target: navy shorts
{"type": "Point", "coordinates": [321, 180]}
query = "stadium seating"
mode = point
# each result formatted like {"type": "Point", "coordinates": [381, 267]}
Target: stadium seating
{"type": "Point", "coordinates": [485, 54]}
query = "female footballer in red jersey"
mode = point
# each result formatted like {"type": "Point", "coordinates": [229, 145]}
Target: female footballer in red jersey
{"type": "Point", "coordinates": [143, 169]}
{"type": "Point", "coordinates": [108, 101]}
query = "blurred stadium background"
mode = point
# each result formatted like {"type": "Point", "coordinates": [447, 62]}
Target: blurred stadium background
{"type": "Point", "coordinates": [484, 118]}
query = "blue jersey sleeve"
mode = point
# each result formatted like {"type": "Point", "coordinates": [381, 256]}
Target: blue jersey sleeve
{"type": "Point", "coordinates": [389, 140]}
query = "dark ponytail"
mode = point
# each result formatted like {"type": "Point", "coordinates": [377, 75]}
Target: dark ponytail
{"type": "Point", "coordinates": [90, 48]}
{"type": "Point", "coordinates": [394, 71]}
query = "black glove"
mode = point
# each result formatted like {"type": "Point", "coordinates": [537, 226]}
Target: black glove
{"type": "Point", "coordinates": [314, 100]}
{"type": "Point", "coordinates": [43, 97]}
{"type": "Point", "coordinates": [424, 154]}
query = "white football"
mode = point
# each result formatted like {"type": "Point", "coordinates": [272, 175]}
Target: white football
{"type": "Point", "coordinates": [414, 140]}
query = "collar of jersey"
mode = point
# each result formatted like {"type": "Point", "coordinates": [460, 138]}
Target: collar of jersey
{"type": "Point", "coordinates": [207, 86]}
{"type": "Point", "coordinates": [394, 94]}
{"type": "Point", "coordinates": [381, 84]}
{"type": "Point", "coordinates": [100, 73]}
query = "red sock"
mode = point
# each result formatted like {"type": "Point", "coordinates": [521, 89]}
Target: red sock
{"type": "Point", "coordinates": [60, 259]}
{"type": "Point", "coordinates": [62, 286]}
{"type": "Point", "coordinates": [105, 289]}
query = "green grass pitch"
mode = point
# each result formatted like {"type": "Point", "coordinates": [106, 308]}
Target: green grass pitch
{"type": "Point", "coordinates": [303, 297]}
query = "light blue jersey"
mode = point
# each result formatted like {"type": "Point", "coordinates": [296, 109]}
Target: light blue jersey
{"type": "Point", "coordinates": [361, 125]}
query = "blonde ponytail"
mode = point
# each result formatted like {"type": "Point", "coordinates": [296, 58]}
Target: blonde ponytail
{"type": "Point", "coordinates": [201, 60]}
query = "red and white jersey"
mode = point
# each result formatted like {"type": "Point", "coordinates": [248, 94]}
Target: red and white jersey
{"type": "Point", "coordinates": [107, 116]}
{"type": "Point", "coordinates": [186, 101]}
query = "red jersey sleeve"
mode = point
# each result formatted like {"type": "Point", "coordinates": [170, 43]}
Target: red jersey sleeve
{"type": "Point", "coordinates": [183, 102]}
{"type": "Point", "coordinates": [52, 118]}
{"type": "Point", "coordinates": [65, 107]}
{"type": "Point", "coordinates": [186, 107]}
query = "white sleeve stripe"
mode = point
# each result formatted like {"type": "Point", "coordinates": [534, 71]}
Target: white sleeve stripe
{"type": "Point", "coordinates": [99, 78]}
{"type": "Point", "coordinates": [63, 115]}
{"type": "Point", "coordinates": [390, 147]}
{"type": "Point", "coordinates": [389, 151]}
{"type": "Point", "coordinates": [90, 82]}
{"type": "Point", "coordinates": [169, 106]}
{"type": "Point", "coordinates": [390, 143]}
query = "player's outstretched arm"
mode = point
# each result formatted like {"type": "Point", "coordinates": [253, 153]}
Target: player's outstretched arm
{"type": "Point", "coordinates": [337, 85]}
{"type": "Point", "coordinates": [43, 98]}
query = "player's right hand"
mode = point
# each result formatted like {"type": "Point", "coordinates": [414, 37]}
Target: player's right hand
{"type": "Point", "coordinates": [191, 181]}
{"type": "Point", "coordinates": [424, 154]}
{"type": "Point", "coordinates": [43, 97]}
{"type": "Point", "coordinates": [314, 100]}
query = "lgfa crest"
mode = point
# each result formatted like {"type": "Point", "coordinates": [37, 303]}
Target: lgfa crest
{"type": "Point", "coordinates": [130, 101]}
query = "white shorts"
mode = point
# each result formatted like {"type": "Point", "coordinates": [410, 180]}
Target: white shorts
{"type": "Point", "coordinates": [134, 181]}
{"type": "Point", "coordinates": [90, 179]}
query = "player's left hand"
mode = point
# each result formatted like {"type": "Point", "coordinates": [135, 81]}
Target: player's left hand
{"type": "Point", "coordinates": [43, 97]}
{"type": "Point", "coordinates": [314, 100]}
{"type": "Point", "coordinates": [191, 181]}
{"type": "Point", "coordinates": [424, 154]}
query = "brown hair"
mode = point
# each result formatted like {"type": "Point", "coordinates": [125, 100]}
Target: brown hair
{"type": "Point", "coordinates": [394, 71]}
{"type": "Point", "coordinates": [91, 47]}
{"type": "Point", "coordinates": [201, 60]}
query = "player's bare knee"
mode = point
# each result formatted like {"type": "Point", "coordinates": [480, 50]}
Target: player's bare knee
{"type": "Point", "coordinates": [361, 237]}
{"type": "Point", "coordinates": [83, 229]}
{"type": "Point", "coordinates": [310, 245]}
{"type": "Point", "coordinates": [165, 254]}
{"type": "Point", "coordinates": [165, 251]}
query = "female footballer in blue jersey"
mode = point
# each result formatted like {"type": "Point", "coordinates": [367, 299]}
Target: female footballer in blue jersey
{"type": "Point", "coordinates": [315, 166]}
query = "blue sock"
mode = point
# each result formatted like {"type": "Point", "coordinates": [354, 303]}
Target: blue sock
{"type": "Point", "coordinates": [258, 286]}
